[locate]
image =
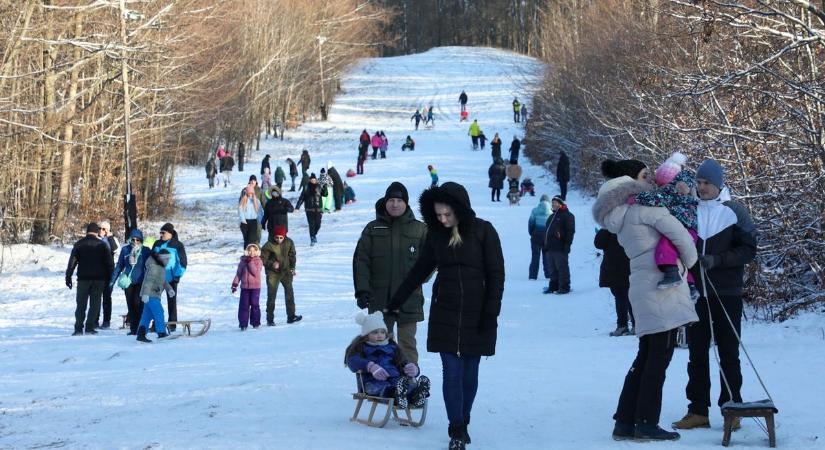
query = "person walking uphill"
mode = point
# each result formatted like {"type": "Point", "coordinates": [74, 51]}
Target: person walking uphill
{"type": "Point", "coordinates": [174, 269]}
{"type": "Point", "coordinates": [659, 313]}
{"type": "Point", "coordinates": [462, 99]}
{"type": "Point", "coordinates": [727, 242]}
{"type": "Point", "coordinates": [558, 237]}
{"type": "Point", "coordinates": [312, 197]}
{"type": "Point", "coordinates": [466, 299]}
{"type": "Point", "coordinates": [131, 264]}
{"type": "Point", "coordinates": [474, 132]}
{"type": "Point", "coordinates": [279, 260]}
{"type": "Point", "coordinates": [516, 110]}
{"type": "Point", "coordinates": [211, 171]}
{"type": "Point", "coordinates": [515, 146]}
{"type": "Point", "coordinates": [385, 253]}
{"type": "Point", "coordinates": [94, 264]}
{"type": "Point", "coordinates": [563, 173]}
{"type": "Point", "coordinates": [497, 173]}
{"type": "Point", "coordinates": [535, 228]}
{"type": "Point", "coordinates": [275, 212]}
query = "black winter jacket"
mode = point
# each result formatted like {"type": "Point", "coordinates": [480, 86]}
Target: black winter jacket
{"type": "Point", "coordinates": [559, 231]}
{"type": "Point", "coordinates": [615, 269]}
{"type": "Point", "coordinates": [563, 169]}
{"type": "Point", "coordinates": [467, 292]}
{"type": "Point", "coordinates": [497, 174]}
{"type": "Point", "coordinates": [275, 213]}
{"type": "Point", "coordinates": [515, 146]}
{"type": "Point", "coordinates": [311, 195]}
{"type": "Point", "coordinates": [265, 164]}
{"type": "Point", "coordinates": [92, 258]}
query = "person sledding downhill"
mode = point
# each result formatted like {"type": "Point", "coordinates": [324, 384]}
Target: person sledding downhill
{"type": "Point", "coordinates": [417, 117]}
{"type": "Point", "coordinates": [385, 370]}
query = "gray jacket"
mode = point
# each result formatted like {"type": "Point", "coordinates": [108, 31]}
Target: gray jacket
{"type": "Point", "coordinates": [154, 281]}
{"type": "Point", "coordinates": [639, 229]}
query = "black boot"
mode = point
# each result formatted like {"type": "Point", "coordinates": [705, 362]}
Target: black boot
{"type": "Point", "coordinates": [457, 433]}
{"type": "Point", "coordinates": [671, 278]}
{"type": "Point", "coordinates": [623, 431]}
{"type": "Point", "coordinates": [141, 335]}
{"type": "Point", "coordinates": [651, 432]}
{"type": "Point", "coordinates": [467, 439]}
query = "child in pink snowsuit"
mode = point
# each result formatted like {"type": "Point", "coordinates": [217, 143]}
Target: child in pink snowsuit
{"type": "Point", "coordinates": [676, 193]}
{"type": "Point", "coordinates": [248, 276]}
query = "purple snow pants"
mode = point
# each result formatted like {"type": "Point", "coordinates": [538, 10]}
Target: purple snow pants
{"type": "Point", "coordinates": [249, 309]}
{"type": "Point", "coordinates": [668, 255]}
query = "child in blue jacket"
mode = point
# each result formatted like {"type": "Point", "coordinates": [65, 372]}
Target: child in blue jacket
{"type": "Point", "coordinates": [386, 373]}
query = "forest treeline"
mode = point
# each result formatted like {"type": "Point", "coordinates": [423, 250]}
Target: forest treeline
{"type": "Point", "coordinates": [187, 74]}
{"type": "Point", "coordinates": [740, 81]}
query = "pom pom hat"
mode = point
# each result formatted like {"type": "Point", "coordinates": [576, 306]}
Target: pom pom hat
{"type": "Point", "coordinates": [370, 323]}
{"type": "Point", "coordinates": [670, 168]}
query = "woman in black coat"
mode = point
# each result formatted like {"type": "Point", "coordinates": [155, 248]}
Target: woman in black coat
{"type": "Point", "coordinates": [466, 299]}
{"type": "Point", "coordinates": [265, 164]}
{"type": "Point", "coordinates": [497, 173]}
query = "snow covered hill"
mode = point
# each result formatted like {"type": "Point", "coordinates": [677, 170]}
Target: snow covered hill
{"type": "Point", "coordinates": [553, 383]}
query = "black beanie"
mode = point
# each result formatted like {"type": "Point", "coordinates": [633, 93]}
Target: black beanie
{"type": "Point", "coordinates": [92, 227]}
{"type": "Point", "coordinates": [168, 227]}
{"type": "Point", "coordinates": [397, 190]}
{"type": "Point", "coordinates": [623, 167]}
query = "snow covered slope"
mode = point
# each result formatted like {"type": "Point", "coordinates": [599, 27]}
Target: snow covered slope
{"type": "Point", "coordinates": [553, 383]}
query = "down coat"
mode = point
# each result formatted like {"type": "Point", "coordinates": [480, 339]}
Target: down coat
{"type": "Point", "coordinates": [639, 229]}
{"type": "Point", "coordinates": [467, 292]}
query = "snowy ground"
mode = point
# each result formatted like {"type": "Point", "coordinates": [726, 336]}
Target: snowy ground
{"type": "Point", "coordinates": [553, 383]}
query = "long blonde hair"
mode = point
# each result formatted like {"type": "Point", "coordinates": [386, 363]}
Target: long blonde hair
{"type": "Point", "coordinates": [455, 237]}
{"type": "Point", "coordinates": [245, 198]}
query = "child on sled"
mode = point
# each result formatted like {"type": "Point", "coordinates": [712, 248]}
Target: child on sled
{"type": "Point", "coordinates": [528, 187]}
{"type": "Point", "coordinates": [513, 193]}
{"type": "Point", "coordinates": [386, 372]}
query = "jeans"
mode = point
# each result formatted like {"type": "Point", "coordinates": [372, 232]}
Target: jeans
{"type": "Point", "coordinates": [459, 386]}
{"type": "Point", "coordinates": [537, 254]}
{"type": "Point", "coordinates": [641, 398]}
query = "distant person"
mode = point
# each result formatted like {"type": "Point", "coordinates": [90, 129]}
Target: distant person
{"type": "Point", "coordinates": [535, 229]}
{"type": "Point", "coordinates": [482, 139]}
{"type": "Point", "coordinates": [433, 176]}
{"type": "Point", "coordinates": [241, 155]}
{"type": "Point", "coordinates": [515, 146]}
{"type": "Point", "coordinates": [523, 113]}
{"type": "Point", "coordinates": [474, 132]}
{"type": "Point", "coordinates": [385, 144]}
{"type": "Point", "coordinates": [94, 264]}
{"type": "Point", "coordinates": [430, 120]}
{"type": "Point", "coordinates": [409, 144]}
{"type": "Point", "coordinates": [265, 164]}
{"type": "Point", "coordinates": [227, 163]}
{"type": "Point", "coordinates": [211, 172]}
{"type": "Point", "coordinates": [516, 110]}
{"type": "Point", "coordinates": [462, 100]}
{"type": "Point", "coordinates": [495, 145]}
{"type": "Point", "coordinates": [563, 173]}
{"type": "Point", "coordinates": [417, 117]}
{"type": "Point", "coordinates": [496, 173]}
{"type": "Point", "coordinates": [305, 161]}
{"type": "Point", "coordinates": [376, 142]}
{"type": "Point", "coordinates": [311, 195]}
{"type": "Point", "coordinates": [280, 177]}
{"type": "Point", "coordinates": [293, 173]}
{"type": "Point", "coordinates": [558, 238]}
{"type": "Point", "coordinates": [279, 260]}
{"type": "Point", "coordinates": [349, 194]}
{"type": "Point", "coordinates": [276, 212]}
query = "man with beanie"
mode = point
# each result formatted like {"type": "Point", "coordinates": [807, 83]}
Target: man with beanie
{"type": "Point", "coordinates": [386, 251]}
{"type": "Point", "coordinates": [727, 242]}
{"type": "Point", "coordinates": [279, 259]}
{"type": "Point", "coordinates": [311, 195]}
{"type": "Point", "coordinates": [175, 268]}
{"type": "Point", "coordinates": [275, 212]}
{"type": "Point", "coordinates": [94, 263]}
{"type": "Point", "coordinates": [558, 237]}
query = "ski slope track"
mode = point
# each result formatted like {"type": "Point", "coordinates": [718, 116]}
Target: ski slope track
{"type": "Point", "coordinates": [553, 383]}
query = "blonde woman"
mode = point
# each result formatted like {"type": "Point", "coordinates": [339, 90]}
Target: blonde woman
{"type": "Point", "coordinates": [249, 213]}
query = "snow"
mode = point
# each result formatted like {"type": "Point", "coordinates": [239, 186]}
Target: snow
{"type": "Point", "coordinates": [553, 383]}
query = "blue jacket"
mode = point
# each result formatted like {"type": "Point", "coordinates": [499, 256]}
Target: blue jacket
{"type": "Point", "coordinates": [177, 262]}
{"type": "Point", "coordinates": [382, 355]}
{"type": "Point", "coordinates": [539, 216]}
{"type": "Point", "coordinates": [136, 273]}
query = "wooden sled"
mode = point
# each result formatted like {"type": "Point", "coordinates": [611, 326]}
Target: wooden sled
{"type": "Point", "coordinates": [389, 409]}
{"type": "Point", "coordinates": [762, 408]}
{"type": "Point", "coordinates": [187, 326]}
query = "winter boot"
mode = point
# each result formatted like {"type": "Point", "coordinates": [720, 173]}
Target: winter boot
{"type": "Point", "coordinates": [270, 323]}
{"type": "Point", "coordinates": [620, 331]}
{"type": "Point", "coordinates": [467, 439]}
{"type": "Point", "coordinates": [162, 335]}
{"type": "Point", "coordinates": [671, 279]}
{"type": "Point", "coordinates": [295, 318]}
{"type": "Point", "coordinates": [623, 431]}
{"type": "Point", "coordinates": [421, 392]}
{"type": "Point", "coordinates": [77, 333]}
{"type": "Point", "coordinates": [646, 432]}
{"type": "Point", "coordinates": [402, 388]}
{"type": "Point", "coordinates": [550, 289]}
{"type": "Point", "coordinates": [457, 433]}
{"type": "Point", "coordinates": [691, 421]}
{"type": "Point", "coordinates": [141, 335]}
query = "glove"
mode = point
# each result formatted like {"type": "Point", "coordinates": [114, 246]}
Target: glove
{"type": "Point", "coordinates": [708, 262]}
{"type": "Point", "coordinates": [170, 292]}
{"type": "Point", "coordinates": [411, 370]}
{"type": "Point", "coordinates": [364, 300]}
{"type": "Point", "coordinates": [69, 282]}
{"type": "Point", "coordinates": [234, 288]}
{"type": "Point", "coordinates": [377, 371]}
{"type": "Point", "coordinates": [487, 323]}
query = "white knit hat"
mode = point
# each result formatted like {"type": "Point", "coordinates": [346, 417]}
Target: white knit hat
{"type": "Point", "coordinates": [370, 323]}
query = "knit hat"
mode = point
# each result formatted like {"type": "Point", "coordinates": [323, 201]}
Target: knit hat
{"type": "Point", "coordinates": [370, 323]}
{"type": "Point", "coordinates": [252, 244]}
{"type": "Point", "coordinates": [279, 230]}
{"type": "Point", "coordinates": [557, 198]}
{"type": "Point", "coordinates": [624, 167]}
{"type": "Point", "coordinates": [711, 171]}
{"type": "Point", "coordinates": [168, 227]}
{"type": "Point", "coordinates": [92, 227]}
{"type": "Point", "coordinates": [323, 171]}
{"type": "Point", "coordinates": [397, 190]}
{"type": "Point", "coordinates": [430, 167]}
{"type": "Point", "coordinates": [312, 176]}
{"type": "Point", "coordinates": [670, 168]}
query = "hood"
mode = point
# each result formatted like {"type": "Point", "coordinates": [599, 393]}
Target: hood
{"type": "Point", "coordinates": [452, 194]}
{"type": "Point", "coordinates": [613, 194]}
{"type": "Point", "coordinates": [135, 233]}
{"type": "Point", "coordinates": [544, 208]}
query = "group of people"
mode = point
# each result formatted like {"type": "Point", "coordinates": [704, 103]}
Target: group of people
{"type": "Point", "coordinates": [144, 271]}
{"type": "Point", "coordinates": [519, 111]}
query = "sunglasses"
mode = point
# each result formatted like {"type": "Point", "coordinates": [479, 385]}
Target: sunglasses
{"type": "Point", "coordinates": [279, 238]}
{"type": "Point", "coordinates": [136, 240]}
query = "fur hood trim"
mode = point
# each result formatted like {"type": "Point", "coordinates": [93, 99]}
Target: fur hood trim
{"type": "Point", "coordinates": [614, 193]}
{"type": "Point", "coordinates": [452, 194]}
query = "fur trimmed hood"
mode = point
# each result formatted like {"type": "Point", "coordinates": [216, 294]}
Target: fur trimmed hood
{"type": "Point", "coordinates": [452, 194]}
{"type": "Point", "coordinates": [613, 194]}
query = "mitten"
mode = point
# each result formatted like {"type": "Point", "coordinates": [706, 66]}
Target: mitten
{"type": "Point", "coordinates": [709, 261]}
{"type": "Point", "coordinates": [364, 300]}
{"type": "Point", "coordinates": [234, 287]}
{"type": "Point", "coordinates": [170, 292]}
{"type": "Point", "coordinates": [69, 282]}
{"type": "Point", "coordinates": [377, 371]}
{"type": "Point", "coordinates": [411, 370]}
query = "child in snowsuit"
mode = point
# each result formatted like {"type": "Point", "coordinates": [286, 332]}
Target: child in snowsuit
{"type": "Point", "coordinates": [385, 144]}
{"type": "Point", "coordinates": [154, 283]}
{"type": "Point", "coordinates": [409, 144]}
{"type": "Point", "coordinates": [248, 275]}
{"type": "Point", "coordinates": [386, 372]}
{"type": "Point", "coordinates": [527, 186]}
{"type": "Point", "coordinates": [417, 117]}
{"type": "Point", "coordinates": [349, 194]}
{"type": "Point", "coordinates": [675, 192]}
{"type": "Point", "coordinates": [433, 176]}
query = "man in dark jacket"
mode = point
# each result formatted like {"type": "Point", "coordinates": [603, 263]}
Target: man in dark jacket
{"type": "Point", "coordinates": [337, 188]}
{"type": "Point", "coordinates": [275, 212]}
{"type": "Point", "coordinates": [462, 99]}
{"type": "Point", "coordinates": [311, 195]}
{"type": "Point", "coordinates": [106, 236]}
{"type": "Point", "coordinates": [293, 172]}
{"type": "Point", "coordinates": [515, 146]}
{"type": "Point", "coordinates": [727, 242]}
{"type": "Point", "coordinates": [386, 251]}
{"type": "Point", "coordinates": [227, 163]}
{"type": "Point", "coordinates": [211, 171]}
{"type": "Point", "coordinates": [563, 173]}
{"type": "Point", "coordinates": [94, 263]}
{"type": "Point", "coordinates": [558, 237]}
{"type": "Point", "coordinates": [241, 155]}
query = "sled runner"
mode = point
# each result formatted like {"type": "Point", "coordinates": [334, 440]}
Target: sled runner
{"type": "Point", "coordinates": [761, 408]}
{"type": "Point", "coordinates": [187, 326]}
{"type": "Point", "coordinates": [391, 409]}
